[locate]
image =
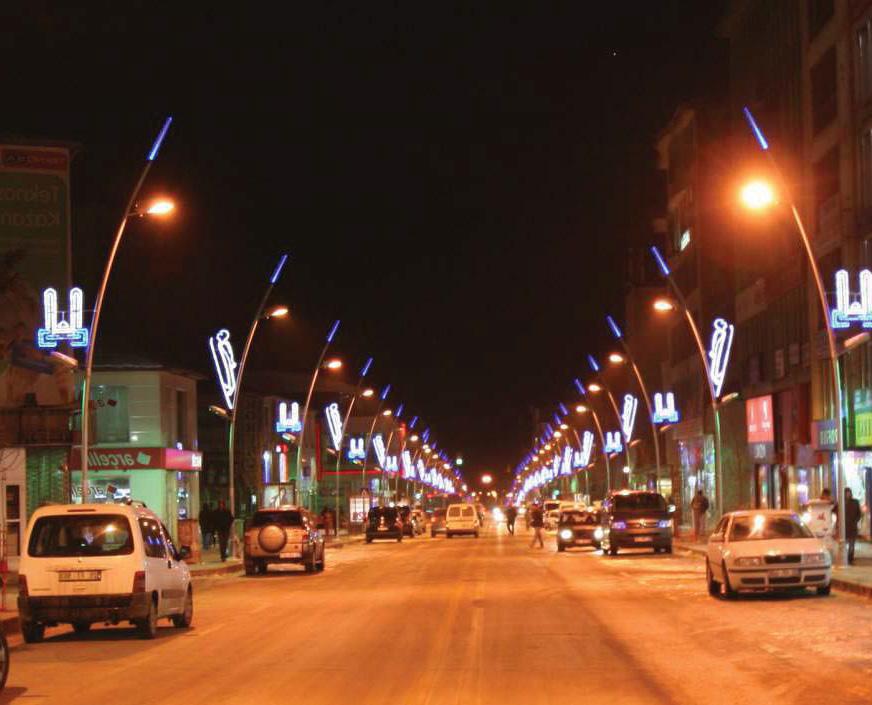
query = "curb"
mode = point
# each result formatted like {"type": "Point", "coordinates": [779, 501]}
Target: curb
{"type": "Point", "coordinates": [220, 570]}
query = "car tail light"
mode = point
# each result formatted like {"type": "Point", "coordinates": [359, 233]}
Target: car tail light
{"type": "Point", "coordinates": [22, 585]}
{"type": "Point", "coordinates": [139, 581]}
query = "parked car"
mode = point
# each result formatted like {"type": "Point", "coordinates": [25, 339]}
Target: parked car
{"type": "Point", "coordinates": [550, 519]}
{"type": "Point", "coordinates": [461, 519]}
{"type": "Point", "coordinates": [419, 518]}
{"type": "Point", "coordinates": [408, 521]}
{"type": "Point", "coordinates": [579, 527]}
{"type": "Point", "coordinates": [765, 550]}
{"type": "Point", "coordinates": [437, 522]}
{"type": "Point", "coordinates": [284, 534]}
{"type": "Point", "coordinates": [90, 563]}
{"type": "Point", "coordinates": [384, 523]}
{"type": "Point", "coordinates": [636, 519]}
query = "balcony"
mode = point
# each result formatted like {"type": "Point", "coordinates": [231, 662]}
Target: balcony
{"type": "Point", "coordinates": [35, 426]}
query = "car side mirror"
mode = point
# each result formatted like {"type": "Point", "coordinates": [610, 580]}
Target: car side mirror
{"type": "Point", "coordinates": [183, 553]}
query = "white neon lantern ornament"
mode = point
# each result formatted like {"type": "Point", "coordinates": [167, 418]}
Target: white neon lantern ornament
{"type": "Point", "coordinates": [288, 423]}
{"type": "Point", "coordinates": [848, 312]}
{"type": "Point", "coordinates": [628, 416]}
{"type": "Point", "coordinates": [225, 365]}
{"type": "Point", "coordinates": [334, 424]}
{"type": "Point", "coordinates": [613, 442]}
{"type": "Point", "coordinates": [356, 448]}
{"type": "Point", "coordinates": [566, 465]}
{"type": "Point", "coordinates": [60, 330]}
{"type": "Point", "coordinates": [719, 353]}
{"type": "Point", "coordinates": [378, 444]}
{"type": "Point", "coordinates": [665, 413]}
{"type": "Point", "coordinates": [582, 457]}
{"type": "Point", "coordinates": [391, 464]}
{"type": "Point", "coordinates": [408, 468]}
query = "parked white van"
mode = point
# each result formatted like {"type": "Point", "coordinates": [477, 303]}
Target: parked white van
{"type": "Point", "coordinates": [461, 519]}
{"type": "Point", "coordinates": [101, 563]}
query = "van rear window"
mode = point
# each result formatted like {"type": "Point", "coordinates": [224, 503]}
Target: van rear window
{"type": "Point", "coordinates": [80, 535]}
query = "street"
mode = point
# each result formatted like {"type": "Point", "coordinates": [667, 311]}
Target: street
{"type": "Point", "coordinates": [466, 621]}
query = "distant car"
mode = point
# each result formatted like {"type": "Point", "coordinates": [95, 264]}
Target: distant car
{"type": "Point", "coordinates": [461, 519]}
{"type": "Point", "coordinates": [384, 523]}
{"type": "Point", "coordinates": [408, 521]}
{"type": "Point", "coordinates": [550, 519]}
{"type": "Point", "coordinates": [284, 534]}
{"type": "Point", "coordinates": [437, 522]}
{"type": "Point", "coordinates": [419, 519]}
{"type": "Point", "coordinates": [636, 519]}
{"type": "Point", "coordinates": [765, 550]}
{"type": "Point", "coordinates": [578, 527]}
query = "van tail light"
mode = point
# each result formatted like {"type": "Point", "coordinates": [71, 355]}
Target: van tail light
{"type": "Point", "coordinates": [139, 581]}
{"type": "Point", "coordinates": [22, 585]}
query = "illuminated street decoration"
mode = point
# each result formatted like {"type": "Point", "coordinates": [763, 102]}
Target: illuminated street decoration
{"type": "Point", "coordinates": [421, 468]}
{"type": "Point", "coordinates": [286, 423]}
{"type": "Point", "coordinates": [848, 312]}
{"type": "Point", "coordinates": [566, 466]}
{"type": "Point", "coordinates": [582, 457]}
{"type": "Point", "coordinates": [613, 442]}
{"type": "Point", "coordinates": [555, 465]}
{"type": "Point", "coordinates": [58, 329]}
{"type": "Point", "coordinates": [408, 468]}
{"type": "Point", "coordinates": [719, 353]}
{"type": "Point", "coordinates": [225, 365]}
{"type": "Point", "coordinates": [334, 424]}
{"type": "Point", "coordinates": [628, 416]}
{"type": "Point", "coordinates": [665, 413]}
{"type": "Point", "coordinates": [378, 444]}
{"type": "Point", "coordinates": [356, 448]}
{"type": "Point", "coordinates": [391, 464]}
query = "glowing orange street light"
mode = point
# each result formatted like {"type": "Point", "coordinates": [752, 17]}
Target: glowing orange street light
{"type": "Point", "coordinates": [367, 392]}
{"type": "Point", "coordinates": [581, 409]}
{"type": "Point", "coordinates": [663, 305]}
{"type": "Point", "coordinates": [594, 387]}
{"type": "Point", "coordinates": [334, 364]}
{"type": "Point", "coordinates": [486, 479]}
{"type": "Point", "coordinates": [278, 312]}
{"type": "Point", "coordinates": [387, 412]}
{"type": "Point", "coordinates": [757, 195]}
{"type": "Point", "coordinates": [616, 358]}
{"type": "Point", "coordinates": [160, 207]}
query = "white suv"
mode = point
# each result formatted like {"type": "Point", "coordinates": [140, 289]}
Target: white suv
{"type": "Point", "coordinates": [461, 519]}
{"type": "Point", "coordinates": [109, 563]}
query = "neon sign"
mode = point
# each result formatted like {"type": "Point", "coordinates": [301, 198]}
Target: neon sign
{"type": "Point", "coordinates": [719, 353]}
{"type": "Point", "coordinates": [356, 448]}
{"type": "Point", "coordinates": [848, 312]}
{"type": "Point", "coordinates": [628, 415]}
{"type": "Point", "coordinates": [334, 424]}
{"type": "Point", "coordinates": [665, 413]}
{"type": "Point", "coordinates": [62, 330]}
{"type": "Point", "coordinates": [225, 364]}
{"type": "Point", "coordinates": [613, 442]}
{"type": "Point", "coordinates": [378, 443]}
{"type": "Point", "coordinates": [288, 424]}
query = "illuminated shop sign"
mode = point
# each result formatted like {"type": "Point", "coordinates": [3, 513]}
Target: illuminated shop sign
{"type": "Point", "coordinates": [288, 420]}
{"type": "Point", "coordinates": [59, 329]}
{"type": "Point", "coordinates": [225, 364]}
{"type": "Point", "coordinates": [719, 352]}
{"type": "Point", "coordinates": [665, 412]}
{"type": "Point", "coordinates": [859, 311]}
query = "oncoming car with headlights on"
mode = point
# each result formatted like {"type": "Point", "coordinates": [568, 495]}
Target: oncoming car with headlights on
{"type": "Point", "coordinates": [765, 550]}
{"type": "Point", "coordinates": [579, 527]}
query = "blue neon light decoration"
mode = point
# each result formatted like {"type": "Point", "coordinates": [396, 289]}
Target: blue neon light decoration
{"type": "Point", "coordinates": [413, 422]}
{"type": "Point", "coordinates": [155, 148]}
{"type": "Point", "coordinates": [366, 367]}
{"type": "Point", "coordinates": [332, 333]}
{"type": "Point", "coordinates": [755, 128]}
{"type": "Point", "coordinates": [594, 365]}
{"type": "Point", "coordinates": [563, 409]}
{"type": "Point", "coordinates": [556, 419]}
{"type": "Point", "coordinates": [426, 435]}
{"type": "Point", "coordinates": [580, 387]}
{"type": "Point", "coordinates": [399, 411]}
{"type": "Point", "coordinates": [664, 268]}
{"type": "Point", "coordinates": [614, 326]}
{"type": "Point", "coordinates": [278, 270]}
{"type": "Point", "coordinates": [59, 329]}
{"type": "Point", "coordinates": [288, 422]}
{"type": "Point", "coordinates": [613, 442]}
{"type": "Point", "coordinates": [665, 413]}
{"type": "Point", "coordinates": [356, 448]}
{"type": "Point", "coordinates": [385, 392]}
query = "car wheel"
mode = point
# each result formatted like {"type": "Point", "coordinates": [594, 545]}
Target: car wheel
{"type": "Point", "coordinates": [260, 567]}
{"type": "Point", "coordinates": [714, 587]}
{"type": "Point", "coordinates": [148, 626]}
{"type": "Point", "coordinates": [667, 549]}
{"type": "Point", "coordinates": [32, 632]}
{"type": "Point", "coordinates": [81, 627]}
{"type": "Point", "coordinates": [400, 538]}
{"type": "Point", "coordinates": [824, 590]}
{"type": "Point", "coordinates": [448, 534]}
{"type": "Point", "coordinates": [728, 589]}
{"type": "Point", "coordinates": [186, 616]}
{"type": "Point", "coordinates": [310, 563]}
{"type": "Point", "coordinates": [476, 533]}
{"type": "Point", "coordinates": [323, 562]}
{"type": "Point", "coordinates": [561, 548]}
{"type": "Point", "coordinates": [368, 539]}
{"type": "Point", "coordinates": [613, 550]}
{"type": "Point", "coordinates": [250, 567]}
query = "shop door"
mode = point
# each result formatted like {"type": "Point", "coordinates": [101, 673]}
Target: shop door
{"type": "Point", "coordinates": [762, 487]}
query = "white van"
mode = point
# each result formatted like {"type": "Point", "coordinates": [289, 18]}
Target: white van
{"type": "Point", "coordinates": [91, 563]}
{"type": "Point", "coordinates": [461, 519]}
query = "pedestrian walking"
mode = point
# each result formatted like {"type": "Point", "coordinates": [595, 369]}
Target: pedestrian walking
{"type": "Point", "coordinates": [537, 522]}
{"type": "Point", "coordinates": [222, 520]}
{"type": "Point", "coordinates": [326, 520]}
{"type": "Point", "coordinates": [699, 506]}
{"type": "Point", "coordinates": [511, 515]}
{"type": "Point", "coordinates": [852, 519]}
{"type": "Point", "coordinates": [206, 527]}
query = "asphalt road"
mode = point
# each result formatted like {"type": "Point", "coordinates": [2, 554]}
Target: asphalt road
{"type": "Point", "coordinates": [468, 622]}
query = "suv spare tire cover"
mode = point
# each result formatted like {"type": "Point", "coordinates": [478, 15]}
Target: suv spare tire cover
{"type": "Point", "coordinates": [272, 538]}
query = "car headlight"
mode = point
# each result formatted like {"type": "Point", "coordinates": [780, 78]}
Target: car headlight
{"type": "Point", "coordinates": [619, 525]}
{"type": "Point", "coordinates": [566, 534]}
{"type": "Point", "coordinates": [748, 561]}
{"type": "Point", "coordinates": [664, 523]}
{"type": "Point", "coordinates": [598, 533]}
{"type": "Point", "coordinates": [820, 558]}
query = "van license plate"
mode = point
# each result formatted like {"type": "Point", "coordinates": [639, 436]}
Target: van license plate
{"type": "Point", "coordinates": [644, 539]}
{"type": "Point", "coordinates": [73, 576]}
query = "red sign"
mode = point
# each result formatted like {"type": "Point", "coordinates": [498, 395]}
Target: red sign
{"type": "Point", "coordinates": [760, 421]}
{"type": "Point", "coordinates": [137, 459]}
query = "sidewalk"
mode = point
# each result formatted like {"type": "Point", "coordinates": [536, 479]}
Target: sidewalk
{"type": "Point", "coordinates": [855, 578]}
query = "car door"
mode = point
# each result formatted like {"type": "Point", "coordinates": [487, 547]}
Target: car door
{"type": "Point", "coordinates": [177, 577]}
{"type": "Point", "coordinates": [157, 563]}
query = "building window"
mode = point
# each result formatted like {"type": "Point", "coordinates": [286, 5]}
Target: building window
{"type": "Point", "coordinates": [182, 419]}
{"type": "Point", "coordinates": [819, 13]}
{"type": "Point", "coordinates": [863, 50]}
{"type": "Point", "coordinates": [826, 177]}
{"type": "Point", "coordinates": [111, 418]}
{"type": "Point", "coordinates": [823, 91]}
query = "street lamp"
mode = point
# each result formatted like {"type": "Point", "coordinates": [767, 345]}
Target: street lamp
{"type": "Point", "coordinates": [595, 368]}
{"type": "Point", "coordinates": [160, 209]}
{"type": "Point", "coordinates": [302, 440]}
{"type": "Point", "coordinates": [617, 358]}
{"type": "Point", "coordinates": [759, 196]}
{"type": "Point", "coordinates": [486, 479]}
{"type": "Point", "coordinates": [384, 395]}
{"type": "Point", "coordinates": [583, 409]}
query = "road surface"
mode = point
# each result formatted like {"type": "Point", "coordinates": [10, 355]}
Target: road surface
{"type": "Point", "coordinates": [468, 622]}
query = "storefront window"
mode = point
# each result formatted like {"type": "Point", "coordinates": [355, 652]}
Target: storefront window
{"type": "Point", "coordinates": [111, 420]}
{"type": "Point", "coordinates": [183, 492]}
{"type": "Point", "coordinates": [103, 488]}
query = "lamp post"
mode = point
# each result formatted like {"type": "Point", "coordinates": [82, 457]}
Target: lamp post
{"type": "Point", "coordinates": [279, 312]}
{"type": "Point", "coordinates": [713, 394]}
{"type": "Point", "coordinates": [157, 209]}
{"type": "Point", "coordinates": [375, 418]}
{"type": "Point", "coordinates": [363, 372]}
{"type": "Point", "coordinates": [616, 331]}
{"type": "Point", "coordinates": [299, 464]}
{"type": "Point", "coordinates": [600, 384]}
{"type": "Point", "coordinates": [756, 197]}
{"type": "Point", "coordinates": [582, 409]}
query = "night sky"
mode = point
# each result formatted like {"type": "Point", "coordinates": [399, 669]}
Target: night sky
{"type": "Point", "coordinates": [458, 184]}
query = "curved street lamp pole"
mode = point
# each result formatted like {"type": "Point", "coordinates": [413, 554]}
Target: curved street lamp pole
{"type": "Point", "coordinates": [581, 390]}
{"type": "Point", "coordinates": [594, 365]}
{"type": "Point", "coordinates": [363, 372]}
{"type": "Point", "coordinates": [98, 302]}
{"type": "Point", "coordinates": [654, 435]}
{"type": "Point", "coordinates": [375, 418]}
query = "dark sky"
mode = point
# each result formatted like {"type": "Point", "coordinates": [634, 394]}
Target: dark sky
{"type": "Point", "coordinates": [457, 184]}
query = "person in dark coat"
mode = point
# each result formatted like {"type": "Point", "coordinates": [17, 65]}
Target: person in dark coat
{"type": "Point", "coordinates": [222, 520]}
{"type": "Point", "coordinates": [511, 515]}
{"type": "Point", "coordinates": [206, 527]}
{"type": "Point", "coordinates": [537, 522]}
{"type": "Point", "coordinates": [853, 514]}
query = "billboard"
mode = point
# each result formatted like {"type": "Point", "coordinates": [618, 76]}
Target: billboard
{"type": "Point", "coordinates": [34, 255]}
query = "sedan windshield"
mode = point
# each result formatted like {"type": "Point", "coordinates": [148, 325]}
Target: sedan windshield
{"type": "Point", "coordinates": [644, 501]}
{"type": "Point", "coordinates": [78, 535]}
{"type": "Point", "coordinates": [579, 517]}
{"type": "Point", "coordinates": [760, 527]}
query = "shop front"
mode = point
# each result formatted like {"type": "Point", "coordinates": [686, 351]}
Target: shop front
{"type": "Point", "coordinates": [696, 468]}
